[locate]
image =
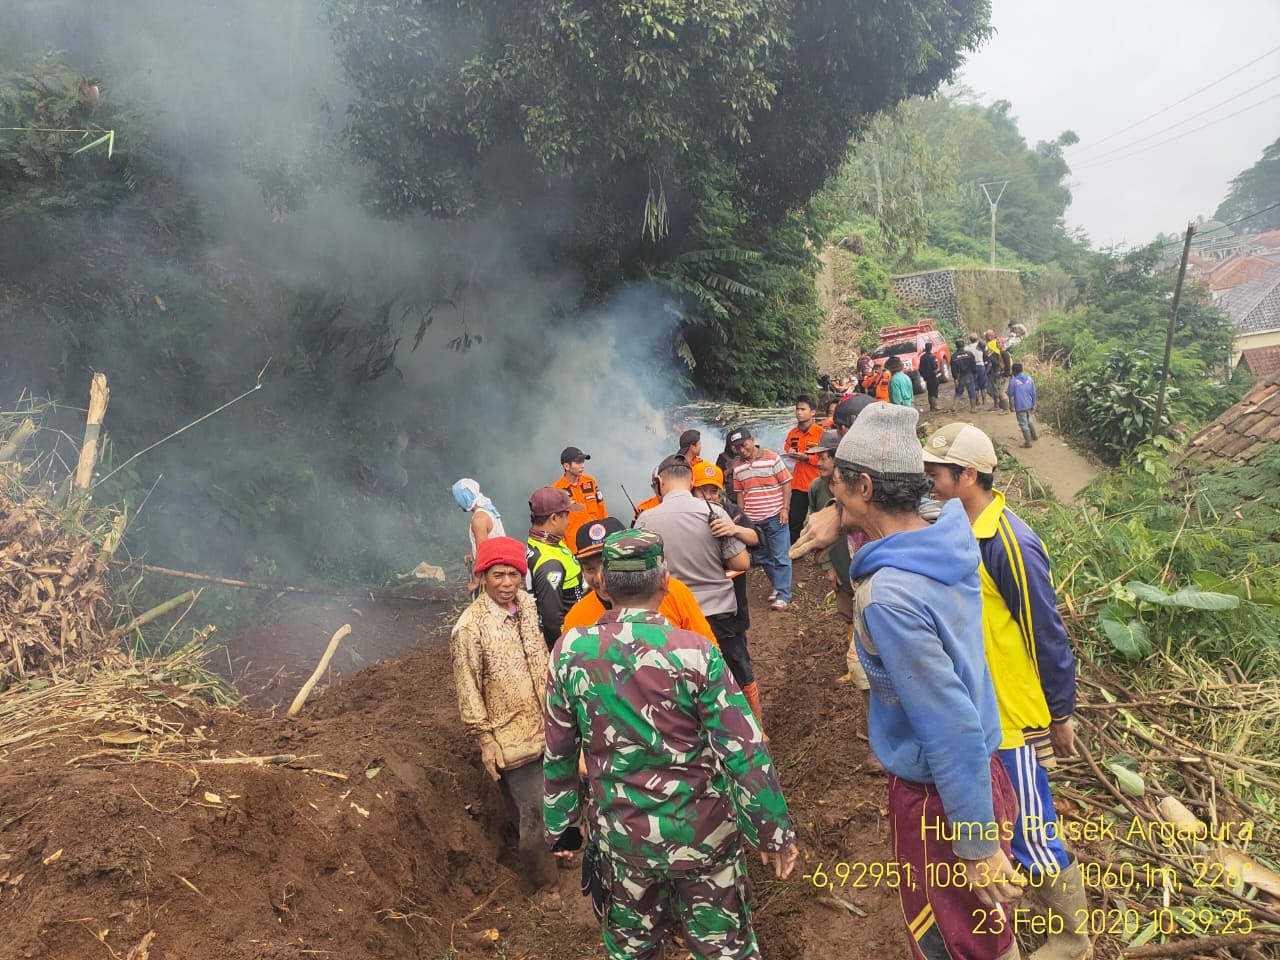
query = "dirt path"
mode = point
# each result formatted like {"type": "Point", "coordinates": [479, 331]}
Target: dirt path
{"type": "Point", "coordinates": [1055, 464]}
{"type": "Point", "coordinates": [1058, 466]}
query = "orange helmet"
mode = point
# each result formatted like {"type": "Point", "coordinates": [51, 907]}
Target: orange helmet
{"type": "Point", "coordinates": [708, 474]}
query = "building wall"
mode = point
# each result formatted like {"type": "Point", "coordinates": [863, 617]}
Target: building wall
{"type": "Point", "coordinates": [1270, 338]}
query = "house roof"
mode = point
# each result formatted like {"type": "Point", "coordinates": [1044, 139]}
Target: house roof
{"type": "Point", "coordinates": [1261, 361]}
{"type": "Point", "coordinates": [1239, 269]}
{"type": "Point", "coordinates": [1269, 239]}
{"type": "Point", "coordinates": [1255, 304]}
{"type": "Point", "coordinates": [1244, 430]}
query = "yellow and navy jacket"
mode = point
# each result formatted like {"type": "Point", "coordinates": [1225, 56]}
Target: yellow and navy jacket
{"type": "Point", "coordinates": [1028, 651]}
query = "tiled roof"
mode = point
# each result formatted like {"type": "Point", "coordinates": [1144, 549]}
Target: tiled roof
{"type": "Point", "coordinates": [1269, 239]}
{"type": "Point", "coordinates": [1244, 430]}
{"type": "Point", "coordinates": [1261, 361]}
{"type": "Point", "coordinates": [1240, 269]}
{"type": "Point", "coordinates": [1254, 306]}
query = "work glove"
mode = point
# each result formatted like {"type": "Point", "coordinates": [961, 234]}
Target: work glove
{"type": "Point", "coordinates": [491, 757]}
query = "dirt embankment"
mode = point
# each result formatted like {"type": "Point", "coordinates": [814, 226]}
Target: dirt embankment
{"type": "Point", "coordinates": [115, 837]}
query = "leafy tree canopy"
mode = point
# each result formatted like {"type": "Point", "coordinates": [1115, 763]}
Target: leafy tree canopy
{"type": "Point", "coordinates": [597, 121]}
{"type": "Point", "coordinates": [1254, 189]}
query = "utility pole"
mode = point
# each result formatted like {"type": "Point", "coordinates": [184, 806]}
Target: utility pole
{"type": "Point", "coordinates": [993, 204]}
{"type": "Point", "coordinates": [1168, 336]}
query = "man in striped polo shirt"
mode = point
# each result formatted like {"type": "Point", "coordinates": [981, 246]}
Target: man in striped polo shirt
{"type": "Point", "coordinates": [762, 485]}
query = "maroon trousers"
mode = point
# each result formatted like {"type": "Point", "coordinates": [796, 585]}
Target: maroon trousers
{"type": "Point", "coordinates": [945, 920]}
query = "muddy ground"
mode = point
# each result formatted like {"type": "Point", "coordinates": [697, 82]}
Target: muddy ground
{"type": "Point", "coordinates": [391, 845]}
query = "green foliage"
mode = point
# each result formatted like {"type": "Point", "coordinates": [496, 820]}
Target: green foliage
{"type": "Point", "coordinates": [656, 121]}
{"type": "Point", "coordinates": [1254, 189]}
{"type": "Point", "coordinates": [44, 166]}
{"type": "Point", "coordinates": [1188, 564]}
{"type": "Point", "coordinates": [1112, 345]}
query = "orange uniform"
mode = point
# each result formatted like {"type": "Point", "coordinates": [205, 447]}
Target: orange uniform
{"type": "Point", "coordinates": [586, 492]}
{"type": "Point", "coordinates": [678, 606]}
{"type": "Point", "coordinates": [803, 472]}
{"type": "Point", "coordinates": [644, 505]}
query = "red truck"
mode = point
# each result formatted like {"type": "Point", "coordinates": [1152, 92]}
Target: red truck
{"type": "Point", "coordinates": [907, 344]}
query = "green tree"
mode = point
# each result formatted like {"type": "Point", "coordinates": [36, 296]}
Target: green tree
{"type": "Point", "coordinates": [1254, 189]}
{"type": "Point", "coordinates": [596, 126]}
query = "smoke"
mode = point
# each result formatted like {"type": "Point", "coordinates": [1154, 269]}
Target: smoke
{"type": "Point", "coordinates": [496, 366]}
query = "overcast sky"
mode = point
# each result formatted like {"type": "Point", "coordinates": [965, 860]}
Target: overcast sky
{"type": "Point", "coordinates": [1097, 66]}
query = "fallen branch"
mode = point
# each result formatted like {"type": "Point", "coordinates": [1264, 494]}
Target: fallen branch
{"type": "Point", "coordinates": [307, 687]}
{"type": "Point", "coordinates": [98, 397]}
{"type": "Point", "coordinates": [277, 759]}
{"type": "Point", "coordinates": [1186, 948]}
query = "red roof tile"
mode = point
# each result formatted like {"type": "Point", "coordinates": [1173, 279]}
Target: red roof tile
{"type": "Point", "coordinates": [1261, 361]}
{"type": "Point", "coordinates": [1245, 429]}
{"type": "Point", "coordinates": [1239, 269]}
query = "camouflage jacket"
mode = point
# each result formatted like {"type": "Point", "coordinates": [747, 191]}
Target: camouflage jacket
{"type": "Point", "coordinates": [677, 764]}
{"type": "Point", "coordinates": [499, 660]}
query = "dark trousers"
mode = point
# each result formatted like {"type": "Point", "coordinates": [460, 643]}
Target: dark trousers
{"type": "Point", "coordinates": [798, 511]}
{"type": "Point", "coordinates": [522, 788]}
{"type": "Point", "coordinates": [733, 646]}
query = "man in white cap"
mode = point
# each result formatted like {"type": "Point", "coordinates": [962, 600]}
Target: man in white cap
{"type": "Point", "coordinates": [1032, 667]}
{"type": "Point", "coordinates": [934, 722]}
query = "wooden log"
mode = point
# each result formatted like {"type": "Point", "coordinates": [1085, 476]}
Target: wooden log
{"type": "Point", "coordinates": [98, 397]}
{"type": "Point", "coordinates": [307, 687]}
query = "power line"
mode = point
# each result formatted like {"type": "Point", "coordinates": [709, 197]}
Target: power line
{"type": "Point", "coordinates": [1203, 126]}
{"type": "Point", "coordinates": [1249, 216]}
{"type": "Point", "coordinates": [1172, 126]}
{"type": "Point", "coordinates": [1176, 103]}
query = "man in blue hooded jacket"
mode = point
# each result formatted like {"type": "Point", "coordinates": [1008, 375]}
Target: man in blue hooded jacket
{"type": "Point", "coordinates": [934, 721]}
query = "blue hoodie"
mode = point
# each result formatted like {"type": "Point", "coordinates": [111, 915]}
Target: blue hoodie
{"type": "Point", "coordinates": [934, 717]}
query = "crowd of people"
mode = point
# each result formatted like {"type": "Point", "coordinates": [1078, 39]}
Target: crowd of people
{"type": "Point", "coordinates": [604, 674]}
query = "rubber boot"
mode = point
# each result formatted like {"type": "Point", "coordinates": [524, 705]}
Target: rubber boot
{"type": "Point", "coordinates": [1065, 898]}
{"type": "Point", "coordinates": [1034, 435]}
{"type": "Point", "coordinates": [973, 405]}
{"type": "Point", "coordinates": [752, 692]}
{"type": "Point", "coordinates": [933, 403]}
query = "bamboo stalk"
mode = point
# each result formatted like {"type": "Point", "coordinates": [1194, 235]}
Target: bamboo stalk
{"type": "Point", "coordinates": [98, 397]}
{"type": "Point", "coordinates": [329, 651]}
{"type": "Point", "coordinates": [272, 587]}
{"type": "Point", "coordinates": [10, 449]}
{"type": "Point", "coordinates": [159, 610]}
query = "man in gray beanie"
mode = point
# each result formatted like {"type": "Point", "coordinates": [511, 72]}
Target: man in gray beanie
{"type": "Point", "coordinates": [934, 723]}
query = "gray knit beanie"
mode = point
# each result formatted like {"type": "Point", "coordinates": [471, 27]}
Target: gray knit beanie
{"type": "Point", "coordinates": [883, 439]}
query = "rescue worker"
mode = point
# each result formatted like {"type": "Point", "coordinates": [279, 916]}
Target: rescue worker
{"type": "Point", "coordinates": [582, 488]}
{"type": "Point", "coordinates": [499, 667]}
{"type": "Point", "coordinates": [964, 373]}
{"type": "Point", "coordinates": [691, 447]}
{"type": "Point", "coordinates": [1032, 667]}
{"type": "Point", "coordinates": [554, 577]}
{"type": "Point", "coordinates": [679, 606]}
{"type": "Point", "coordinates": [929, 374]}
{"type": "Point", "coordinates": [708, 485]}
{"type": "Point", "coordinates": [878, 384]}
{"type": "Point", "coordinates": [803, 466]}
{"type": "Point", "coordinates": [680, 778]}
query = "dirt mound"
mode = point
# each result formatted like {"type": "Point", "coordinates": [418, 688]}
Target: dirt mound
{"type": "Point", "coordinates": [383, 835]}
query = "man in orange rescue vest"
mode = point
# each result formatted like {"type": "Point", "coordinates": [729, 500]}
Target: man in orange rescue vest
{"type": "Point", "coordinates": [582, 489]}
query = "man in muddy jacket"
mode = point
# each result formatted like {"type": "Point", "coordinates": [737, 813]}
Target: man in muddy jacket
{"type": "Point", "coordinates": [680, 777]}
{"type": "Point", "coordinates": [500, 667]}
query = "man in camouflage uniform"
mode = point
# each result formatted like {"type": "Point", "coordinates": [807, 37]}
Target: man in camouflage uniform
{"type": "Point", "coordinates": [679, 772]}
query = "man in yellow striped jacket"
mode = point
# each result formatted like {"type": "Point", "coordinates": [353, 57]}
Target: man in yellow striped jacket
{"type": "Point", "coordinates": [1032, 668]}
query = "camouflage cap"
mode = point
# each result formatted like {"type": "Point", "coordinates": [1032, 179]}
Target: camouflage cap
{"type": "Point", "coordinates": [632, 550]}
